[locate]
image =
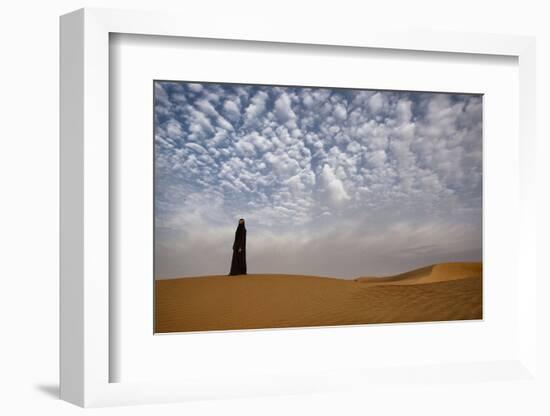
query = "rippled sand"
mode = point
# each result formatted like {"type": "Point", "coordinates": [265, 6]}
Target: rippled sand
{"type": "Point", "coordinates": [442, 292]}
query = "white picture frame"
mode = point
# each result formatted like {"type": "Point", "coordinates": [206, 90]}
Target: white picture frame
{"type": "Point", "coordinates": [85, 355]}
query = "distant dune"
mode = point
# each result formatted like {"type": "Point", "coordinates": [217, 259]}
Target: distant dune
{"type": "Point", "coordinates": [430, 274]}
{"type": "Point", "coordinates": [441, 292]}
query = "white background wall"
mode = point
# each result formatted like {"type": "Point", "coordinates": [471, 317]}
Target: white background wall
{"type": "Point", "coordinates": [29, 206]}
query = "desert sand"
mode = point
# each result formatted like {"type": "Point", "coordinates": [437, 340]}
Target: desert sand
{"type": "Point", "coordinates": [441, 292]}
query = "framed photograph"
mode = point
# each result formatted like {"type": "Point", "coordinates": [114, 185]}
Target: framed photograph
{"type": "Point", "coordinates": [276, 212]}
{"type": "Point", "coordinates": [337, 185]}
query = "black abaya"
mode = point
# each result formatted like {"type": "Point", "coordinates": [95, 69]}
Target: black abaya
{"type": "Point", "coordinates": [238, 262]}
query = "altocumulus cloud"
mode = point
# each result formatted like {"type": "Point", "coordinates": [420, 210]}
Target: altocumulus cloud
{"type": "Point", "coordinates": [331, 182]}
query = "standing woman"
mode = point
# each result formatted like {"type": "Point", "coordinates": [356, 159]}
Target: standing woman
{"type": "Point", "coordinates": [238, 262]}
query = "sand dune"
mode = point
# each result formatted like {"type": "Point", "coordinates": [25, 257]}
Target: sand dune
{"type": "Point", "coordinates": [449, 291]}
{"type": "Point", "coordinates": [430, 274]}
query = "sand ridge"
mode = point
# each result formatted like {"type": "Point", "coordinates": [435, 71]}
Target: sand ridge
{"type": "Point", "coordinates": [430, 274]}
{"type": "Point", "coordinates": [449, 291]}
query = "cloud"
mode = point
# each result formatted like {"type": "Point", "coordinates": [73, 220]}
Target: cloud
{"type": "Point", "coordinates": [403, 111]}
{"type": "Point", "coordinates": [195, 87]}
{"type": "Point", "coordinates": [340, 112]}
{"type": "Point", "coordinates": [223, 123]}
{"type": "Point", "coordinates": [282, 164]}
{"type": "Point", "coordinates": [207, 108]}
{"type": "Point", "coordinates": [376, 103]}
{"type": "Point", "coordinates": [259, 142]}
{"type": "Point", "coordinates": [301, 160]}
{"type": "Point", "coordinates": [232, 110]}
{"type": "Point", "coordinates": [245, 148]}
{"type": "Point", "coordinates": [376, 159]}
{"type": "Point", "coordinates": [256, 106]}
{"type": "Point", "coordinates": [197, 148]}
{"type": "Point", "coordinates": [334, 187]}
{"type": "Point", "coordinates": [353, 147]}
{"type": "Point", "coordinates": [173, 129]}
{"type": "Point", "coordinates": [283, 108]}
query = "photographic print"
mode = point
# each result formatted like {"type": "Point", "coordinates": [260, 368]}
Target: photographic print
{"type": "Point", "coordinates": [301, 206]}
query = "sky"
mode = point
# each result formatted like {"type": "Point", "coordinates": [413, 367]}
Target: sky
{"type": "Point", "coordinates": [331, 182]}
